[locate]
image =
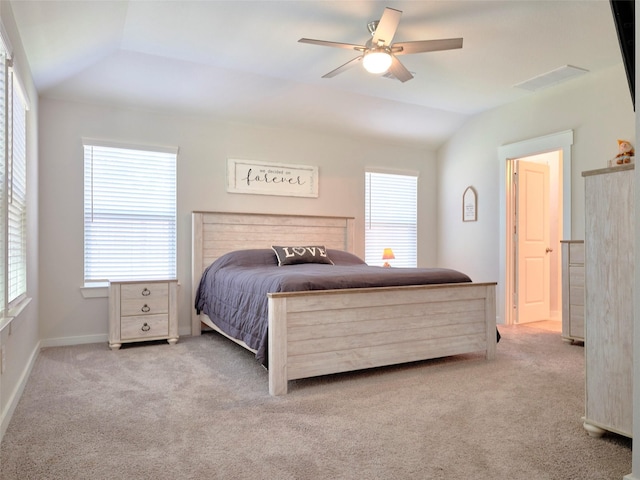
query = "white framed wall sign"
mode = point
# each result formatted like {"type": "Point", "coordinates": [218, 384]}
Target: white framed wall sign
{"type": "Point", "coordinates": [266, 178]}
{"type": "Point", "coordinates": [469, 205]}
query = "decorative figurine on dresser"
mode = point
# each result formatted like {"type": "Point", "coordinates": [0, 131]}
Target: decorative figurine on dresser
{"type": "Point", "coordinates": [626, 154]}
{"type": "Point", "coordinates": [142, 310]}
{"type": "Point", "coordinates": [609, 286]}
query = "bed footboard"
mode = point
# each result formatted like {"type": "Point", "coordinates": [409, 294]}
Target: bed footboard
{"type": "Point", "coordinates": [324, 332]}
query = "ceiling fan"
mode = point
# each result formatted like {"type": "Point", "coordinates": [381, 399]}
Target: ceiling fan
{"type": "Point", "coordinates": [379, 54]}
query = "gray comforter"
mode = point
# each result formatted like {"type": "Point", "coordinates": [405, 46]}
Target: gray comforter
{"type": "Point", "coordinates": [233, 290]}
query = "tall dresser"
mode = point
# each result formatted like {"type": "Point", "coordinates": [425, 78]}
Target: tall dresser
{"type": "Point", "coordinates": [609, 278]}
{"type": "Point", "coordinates": [572, 290]}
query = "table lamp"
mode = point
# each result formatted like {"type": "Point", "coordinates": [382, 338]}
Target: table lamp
{"type": "Point", "coordinates": [387, 254]}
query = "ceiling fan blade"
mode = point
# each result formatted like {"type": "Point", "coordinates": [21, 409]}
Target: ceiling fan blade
{"type": "Point", "coordinates": [398, 70]}
{"type": "Point", "coordinates": [421, 46]}
{"type": "Point", "coordinates": [324, 43]}
{"type": "Point", "coordinates": [342, 68]}
{"type": "Point", "coordinates": [387, 27]}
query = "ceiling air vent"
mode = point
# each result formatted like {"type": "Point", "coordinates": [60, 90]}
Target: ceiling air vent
{"type": "Point", "coordinates": [551, 78]}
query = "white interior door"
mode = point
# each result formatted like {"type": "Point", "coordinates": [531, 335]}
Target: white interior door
{"type": "Point", "coordinates": [532, 241]}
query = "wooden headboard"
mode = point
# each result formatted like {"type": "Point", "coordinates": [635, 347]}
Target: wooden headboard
{"type": "Point", "coordinates": [217, 233]}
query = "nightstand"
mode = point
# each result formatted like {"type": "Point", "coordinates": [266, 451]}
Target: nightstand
{"type": "Point", "coordinates": [142, 310]}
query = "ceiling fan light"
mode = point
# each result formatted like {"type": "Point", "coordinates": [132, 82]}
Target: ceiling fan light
{"type": "Point", "coordinates": [377, 61]}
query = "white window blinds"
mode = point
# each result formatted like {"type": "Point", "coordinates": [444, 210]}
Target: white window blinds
{"type": "Point", "coordinates": [3, 186]}
{"type": "Point", "coordinates": [391, 218]}
{"type": "Point", "coordinates": [129, 213]}
{"type": "Point", "coordinates": [17, 197]}
{"type": "Point", "coordinates": [13, 184]}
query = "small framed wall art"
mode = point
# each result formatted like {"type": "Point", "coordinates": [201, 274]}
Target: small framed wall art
{"type": "Point", "coordinates": [266, 178]}
{"type": "Point", "coordinates": [469, 205]}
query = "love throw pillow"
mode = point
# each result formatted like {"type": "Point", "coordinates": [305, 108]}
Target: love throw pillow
{"type": "Point", "coordinates": [295, 255]}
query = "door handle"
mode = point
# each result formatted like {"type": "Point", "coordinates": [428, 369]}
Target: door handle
{"type": "Point", "coordinates": [548, 250]}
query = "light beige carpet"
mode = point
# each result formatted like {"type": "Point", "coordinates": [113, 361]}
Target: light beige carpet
{"type": "Point", "coordinates": [201, 410]}
{"type": "Point", "coordinates": [549, 325]}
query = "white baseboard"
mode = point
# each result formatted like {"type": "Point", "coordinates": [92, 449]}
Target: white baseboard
{"type": "Point", "coordinates": [631, 476]}
{"type": "Point", "coordinates": [66, 341]}
{"type": "Point", "coordinates": [7, 413]}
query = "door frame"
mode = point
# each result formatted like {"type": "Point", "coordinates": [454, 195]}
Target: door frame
{"type": "Point", "coordinates": [561, 141]}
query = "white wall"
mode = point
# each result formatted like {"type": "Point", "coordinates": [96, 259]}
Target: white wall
{"type": "Point", "coordinates": [204, 148]}
{"type": "Point", "coordinates": [20, 339]}
{"type": "Point", "coordinates": [597, 107]}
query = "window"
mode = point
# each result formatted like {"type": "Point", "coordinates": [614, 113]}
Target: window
{"type": "Point", "coordinates": [391, 219]}
{"type": "Point", "coordinates": [13, 185]}
{"type": "Point", "coordinates": [16, 197]}
{"type": "Point", "coordinates": [3, 186]}
{"type": "Point", "coordinates": [129, 213]}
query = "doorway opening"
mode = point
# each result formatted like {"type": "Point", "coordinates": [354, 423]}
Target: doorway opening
{"type": "Point", "coordinates": [558, 144]}
{"type": "Point", "coordinates": [535, 220]}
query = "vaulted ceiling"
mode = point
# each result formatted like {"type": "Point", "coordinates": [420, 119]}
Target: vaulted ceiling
{"type": "Point", "coordinates": [241, 60]}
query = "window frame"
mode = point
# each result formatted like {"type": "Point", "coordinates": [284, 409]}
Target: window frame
{"type": "Point", "coordinates": [98, 284]}
{"type": "Point", "coordinates": [16, 212]}
{"type": "Point", "coordinates": [402, 227]}
{"type": "Point", "coordinates": [14, 188]}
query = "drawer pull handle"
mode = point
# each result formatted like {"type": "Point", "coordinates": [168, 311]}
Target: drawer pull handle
{"type": "Point", "coordinates": [145, 327]}
{"type": "Point", "coordinates": [145, 309]}
{"type": "Point", "coordinates": [146, 292]}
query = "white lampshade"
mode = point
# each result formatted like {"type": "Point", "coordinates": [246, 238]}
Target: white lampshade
{"type": "Point", "coordinates": [377, 61]}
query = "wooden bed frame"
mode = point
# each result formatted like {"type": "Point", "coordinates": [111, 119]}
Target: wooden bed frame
{"type": "Point", "coordinates": [324, 332]}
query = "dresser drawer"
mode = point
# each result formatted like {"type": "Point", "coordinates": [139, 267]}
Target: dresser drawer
{"type": "Point", "coordinates": [576, 254]}
{"type": "Point", "coordinates": [144, 299]}
{"type": "Point", "coordinates": [576, 275]}
{"type": "Point", "coordinates": [576, 296]}
{"type": "Point", "coordinates": [577, 321]}
{"type": "Point", "coordinates": [144, 326]}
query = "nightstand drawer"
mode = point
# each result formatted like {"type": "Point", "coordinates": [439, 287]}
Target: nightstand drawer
{"type": "Point", "coordinates": [144, 326]}
{"type": "Point", "coordinates": [144, 299]}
